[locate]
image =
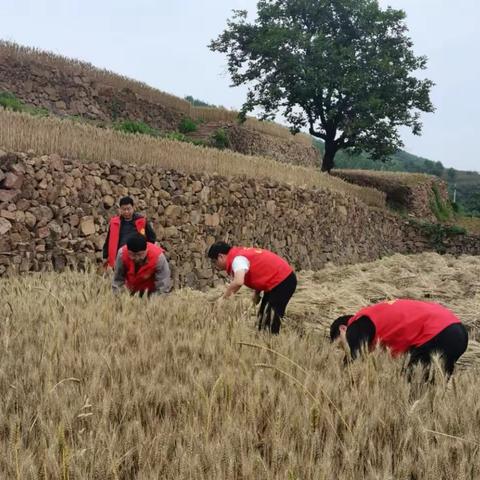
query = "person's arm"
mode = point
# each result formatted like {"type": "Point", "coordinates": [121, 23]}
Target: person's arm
{"type": "Point", "coordinates": [105, 245]}
{"type": "Point", "coordinates": [150, 234]}
{"type": "Point", "coordinates": [360, 334]}
{"type": "Point", "coordinates": [118, 281]}
{"type": "Point", "coordinates": [235, 285]}
{"type": "Point", "coordinates": [240, 267]}
{"type": "Point", "coordinates": [163, 281]}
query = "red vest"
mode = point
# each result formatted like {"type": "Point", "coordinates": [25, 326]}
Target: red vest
{"type": "Point", "coordinates": [114, 236]}
{"type": "Point", "coordinates": [266, 271]}
{"type": "Point", "coordinates": [144, 278]}
{"type": "Point", "coordinates": [403, 324]}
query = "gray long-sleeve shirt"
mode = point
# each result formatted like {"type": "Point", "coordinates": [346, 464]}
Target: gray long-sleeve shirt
{"type": "Point", "coordinates": [163, 281]}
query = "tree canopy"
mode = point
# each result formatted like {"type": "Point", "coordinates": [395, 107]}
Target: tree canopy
{"type": "Point", "coordinates": [343, 69]}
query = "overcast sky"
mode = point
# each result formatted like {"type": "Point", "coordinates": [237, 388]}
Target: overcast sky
{"type": "Point", "coordinates": [164, 43]}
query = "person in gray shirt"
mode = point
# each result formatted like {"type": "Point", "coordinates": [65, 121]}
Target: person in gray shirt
{"type": "Point", "coordinates": [141, 267]}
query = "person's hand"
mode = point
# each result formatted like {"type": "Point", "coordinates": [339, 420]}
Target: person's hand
{"type": "Point", "coordinates": [218, 304]}
{"type": "Point", "coordinates": [220, 301]}
{"type": "Point", "coordinates": [256, 297]}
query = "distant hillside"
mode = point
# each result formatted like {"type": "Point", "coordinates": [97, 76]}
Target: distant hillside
{"type": "Point", "coordinates": [467, 183]}
{"type": "Point", "coordinates": [44, 83]}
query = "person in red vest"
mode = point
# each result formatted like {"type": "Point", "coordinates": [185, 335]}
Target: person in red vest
{"type": "Point", "coordinates": [404, 326]}
{"type": "Point", "coordinates": [122, 226]}
{"type": "Point", "coordinates": [262, 271]}
{"type": "Point", "coordinates": [142, 268]}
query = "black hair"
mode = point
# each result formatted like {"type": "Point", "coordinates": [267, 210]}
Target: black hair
{"type": "Point", "coordinates": [335, 326]}
{"type": "Point", "coordinates": [217, 248]}
{"type": "Point", "coordinates": [126, 201]}
{"type": "Point", "coordinates": [136, 243]}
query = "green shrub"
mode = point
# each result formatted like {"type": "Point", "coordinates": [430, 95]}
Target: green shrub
{"type": "Point", "coordinates": [179, 137]}
{"type": "Point", "coordinates": [458, 209]}
{"type": "Point", "coordinates": [10, 102]}
{"type": "Point", "coordinates": [187, 125]}
{"type": "Point", "coordinates": [131, 126]}
{"type": "Point", "coordinates": [455, 230]}
{"type": "Point", "coordinates": [442, 210]}
{"type": "Point", "coordinates": [199, 143]}
{"type": "Point", "coordinates": [220, 139]}
{"type": "Point", "coordinates": [115, 109]}
{"type": "Point", "coordinates": [37, 111]}
{"type": "Point", "coordinates": [198, 103]}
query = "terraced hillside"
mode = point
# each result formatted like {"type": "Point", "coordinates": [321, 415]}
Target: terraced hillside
{"type": "Point", "coordinates": [57, 85]}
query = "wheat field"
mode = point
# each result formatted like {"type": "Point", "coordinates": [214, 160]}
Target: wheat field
{"type": "Point", "coordinates": [99, 387]}
{"type": "Point", "coordinates": [22, 132]}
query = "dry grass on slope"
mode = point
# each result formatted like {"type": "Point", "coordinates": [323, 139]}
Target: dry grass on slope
{"type": "Point", "coordinates": [94, 386]}
{"type": "Point", "coordinates": [22, 132]}
{"type": "Point", "coordinates": [471, 224]}
{"type": "Point", "coordinates": [74, 67]}
{"type": "Point", "coordinates": [394, 178]}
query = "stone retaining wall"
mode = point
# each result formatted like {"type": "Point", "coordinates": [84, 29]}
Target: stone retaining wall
{"type": "Point", "coordinates": [412, 193]}
{"type": "Point", "coordinates": [54, 213]}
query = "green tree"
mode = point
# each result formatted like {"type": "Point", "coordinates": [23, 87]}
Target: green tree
{"type": "Point", "coordinates": [451, 175]}
{"type": "Point", "coordinates": [342, 68]}
{"type": "Point", "coordinates": [198, 103]}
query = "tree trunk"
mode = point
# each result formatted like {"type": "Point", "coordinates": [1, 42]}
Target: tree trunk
{"type": "Point", "coordinates": [328, 156]}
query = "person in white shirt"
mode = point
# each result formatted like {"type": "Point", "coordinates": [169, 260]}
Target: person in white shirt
{"type": "Point", "coordinates": [262, 271]}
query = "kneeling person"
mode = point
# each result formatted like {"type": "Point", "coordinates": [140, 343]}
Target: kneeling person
{"type": "Point", "coordinates": [405, 326]}
{"type": "Point", "coordinates": [141, 267]}
{"type": "Point", "coordinates": [262, 271]}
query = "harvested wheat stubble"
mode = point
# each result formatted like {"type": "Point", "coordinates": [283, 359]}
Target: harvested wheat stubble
{"type": "Point", "coordinates": [452, 281]}
{"type": "Point", "coordinates": [98, 387]}
{"type": "Point", "coordinates": [333, 291]}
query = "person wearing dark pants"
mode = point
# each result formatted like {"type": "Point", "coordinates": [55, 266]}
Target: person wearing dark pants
{"type": "Point", "coordinates": [262, 271]}
{"type": "Point", "coordinates": [450, 343]}
{"type": "Point", "coordinates": [274, 303]}
{"type": "Point", "coordinates": [412, 327]}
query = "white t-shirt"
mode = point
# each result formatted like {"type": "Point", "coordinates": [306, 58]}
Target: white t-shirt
{"type": "Point", "coordinates": [240, 263]}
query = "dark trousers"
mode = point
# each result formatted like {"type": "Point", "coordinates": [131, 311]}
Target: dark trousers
{"type": "Point", "coordinates": [141, 293]}
{"type": "Point", "coordinates": [450, 344]}
{"type": "Point", "coordinates": [274, 304]}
